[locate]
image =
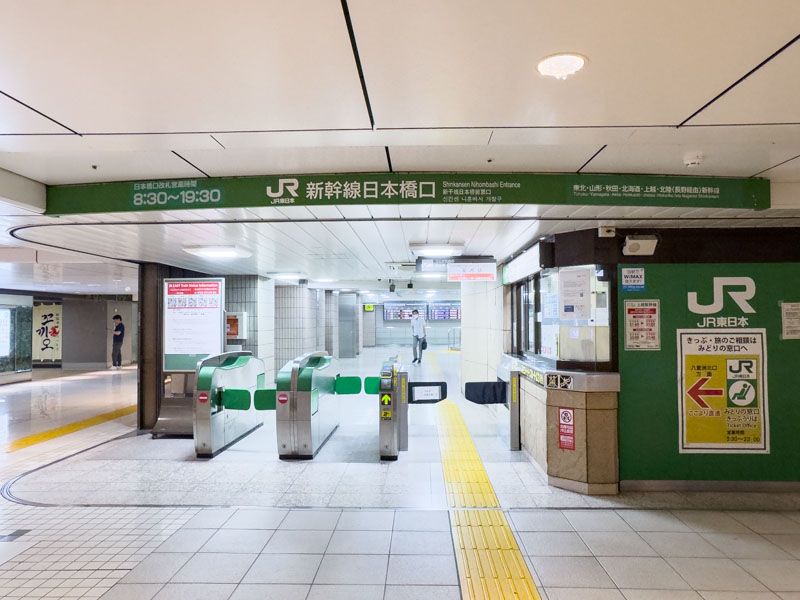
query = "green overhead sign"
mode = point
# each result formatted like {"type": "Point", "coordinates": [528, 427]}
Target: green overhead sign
{"type": "Point", "coordinates": [408, 188]}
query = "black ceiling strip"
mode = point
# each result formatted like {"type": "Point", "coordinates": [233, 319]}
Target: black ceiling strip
{"type": "Point", "coordinates": [188, 162]}
{"type": "Point", "coordinates": [216, 140]}
{"type": "Point", "coordinates": [38, 112]}
{"type": "Point", "coordinates": [389, 159]}
{"type": "Point", "coordinates": [591, 158]}
{"type": "Point", "coordinates": [357, 58]}
{"type": "Point", "coordinates": [778, 165]}
{"type": "Point", "coordinates": [738, 81]}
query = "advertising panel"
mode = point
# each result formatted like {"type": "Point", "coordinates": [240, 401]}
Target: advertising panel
{"type": "Point", "coordinates": [47, 332]}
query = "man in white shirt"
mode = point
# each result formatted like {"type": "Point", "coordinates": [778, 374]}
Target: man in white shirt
{"type": "Point", "coordinates": [418, 333]}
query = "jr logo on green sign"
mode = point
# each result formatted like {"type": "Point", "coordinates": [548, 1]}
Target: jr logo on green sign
{"type": "Point", "coordinates": [289, 185]}
{"type": "Point", "coordinates": [741, 297]}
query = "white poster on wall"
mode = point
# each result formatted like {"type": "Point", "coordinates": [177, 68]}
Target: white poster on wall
{"type": "Point", "coordinates": [575, 293]}
{"type": "Point", "coordinates": [193, 316]}
{"type": "Point", "coordinates": [47, 332]}
{"type": "Point", "coordinates": [790, 320]}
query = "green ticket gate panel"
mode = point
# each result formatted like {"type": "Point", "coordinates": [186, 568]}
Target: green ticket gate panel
{"type": "Point", "coordinates": [224, 410]}
{"type": "Point", "coordinates": [306, 406]}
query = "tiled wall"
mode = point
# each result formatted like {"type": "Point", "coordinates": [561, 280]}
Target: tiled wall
{"type": "Point", "coordinates": [295, 322]}
{"type": "Point", "coordinates": [348, 326]}
{"type": "Point", "coordinates": [320, 300]}
{"type": "Point", "coordinates": [332, 323]}
{"type": "Point", "coordinates": [255, 296]}
{"type": "Point", "coordinates": [485, 330]}
{"type": "Point", "coordinates": [368, 320]}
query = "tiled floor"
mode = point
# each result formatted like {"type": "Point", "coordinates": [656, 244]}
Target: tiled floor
{"type": "Point", "coordinates": [348, 526]}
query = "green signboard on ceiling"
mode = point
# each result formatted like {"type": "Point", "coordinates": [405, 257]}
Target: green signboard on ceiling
{"type": "Point", "coordinates": [408, 188]}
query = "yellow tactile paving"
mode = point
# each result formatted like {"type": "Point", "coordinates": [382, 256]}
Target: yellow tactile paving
{"type": "Point", "coordinates": [38, 438]}
{"type": "Point", "coordinates": [490, 564]}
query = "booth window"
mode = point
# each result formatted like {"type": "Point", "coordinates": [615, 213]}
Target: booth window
{"type": "Point", "coordinates": [562, 315]}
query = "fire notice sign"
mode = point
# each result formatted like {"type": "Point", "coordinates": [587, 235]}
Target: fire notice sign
{"type": "Point", "coordinates": [566, 428]}
{"type": "Point", "coordinates": [722, 388]}
{"type": "Point", "coordinates": [642, 325]}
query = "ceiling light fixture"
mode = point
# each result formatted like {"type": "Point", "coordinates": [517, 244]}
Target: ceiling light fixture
{"type": "Point", "coordinates": [436, 250]}
{"type": "Point", "coordinates": [286, 276]}
{"type": "Point", "coordinates": [561, 65]}
{"type": "Point", "coordinates": [430, 275]}
{"type": "Point", "coordinates": [217, 251]}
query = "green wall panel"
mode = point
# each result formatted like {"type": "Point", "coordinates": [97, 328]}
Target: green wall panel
{"type": "Point", "coordinates": [649, 395]}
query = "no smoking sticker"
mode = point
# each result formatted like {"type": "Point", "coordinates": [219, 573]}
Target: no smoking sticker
{"type": "Point", "coordinates": [566, 428]}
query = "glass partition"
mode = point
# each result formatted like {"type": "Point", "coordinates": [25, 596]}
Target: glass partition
{"type": "Point", "coordinates": [563, 315]}
{"type": "Point", "coordinates": [16, 330]}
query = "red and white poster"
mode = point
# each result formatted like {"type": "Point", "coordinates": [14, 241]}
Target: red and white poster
{"type": "Point", "coordinates": [566, 428]}
{"type": "Point", "coordinates": [193, 316]}
{"type": "Point", "coordinates": [642, 325]}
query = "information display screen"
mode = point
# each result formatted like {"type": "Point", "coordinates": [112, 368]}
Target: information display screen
{"type": "Point", "coordinates": [401, 311]}
{"type": "Point", "coordinates": [444, 311]}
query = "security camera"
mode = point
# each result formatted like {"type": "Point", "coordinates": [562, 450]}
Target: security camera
{"type": "Point", "coordinates": [410, 284]}
{"type": "Point", "coordinates": [391, 287]}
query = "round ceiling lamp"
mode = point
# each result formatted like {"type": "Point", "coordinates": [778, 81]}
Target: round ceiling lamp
{"type": "Point", "coordinates": [561, 65]}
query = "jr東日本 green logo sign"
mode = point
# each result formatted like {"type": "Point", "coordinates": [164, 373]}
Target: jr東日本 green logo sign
{"type": "Point", "coordinates": [408, 188]}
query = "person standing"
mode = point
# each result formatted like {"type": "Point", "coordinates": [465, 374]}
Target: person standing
{"type": "Point", "coordinates": [116, 343]}
{"type": "Point", "coordinates": [418, 333]}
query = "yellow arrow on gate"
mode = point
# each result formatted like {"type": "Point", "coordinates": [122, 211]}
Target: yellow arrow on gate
{"type": "Point", "coordinates": [386, 398]}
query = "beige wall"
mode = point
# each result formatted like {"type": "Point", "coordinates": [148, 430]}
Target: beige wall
{"type": "Point", "coordinates": [485, 331]}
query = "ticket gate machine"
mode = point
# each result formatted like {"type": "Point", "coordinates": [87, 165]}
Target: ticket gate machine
{"type": "Point", "coordinates": [223, 412]}
{"type": "Point", "coordinates": [393, 407]}
{"type": "Point", "coordinates": [395, 392]}
{"type": "Point", "coordinates": [307, 407]}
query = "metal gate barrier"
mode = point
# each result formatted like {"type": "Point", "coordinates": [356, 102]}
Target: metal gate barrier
{"type": "Point", "coordinates": [395, 392]}
{"type": "Point", "coordinates": [504, 391]}
{"type": "Point", "coordinates": [223, 412]}
{"type": "Point", "coordinates": [307, 408]}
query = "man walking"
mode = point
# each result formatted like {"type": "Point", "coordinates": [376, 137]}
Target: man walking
{"type": "Point", "coordinates": [116, 343]}
{"type": "Point", "coordinates": [418, 333]}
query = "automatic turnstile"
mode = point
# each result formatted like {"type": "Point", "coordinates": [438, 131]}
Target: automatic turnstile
{"type": "Point", "coordinates": [395, 392]}
{"type": "Point", "coordinates": [307, 410]}
{"type": "Point", "coordinates": [223, 408]}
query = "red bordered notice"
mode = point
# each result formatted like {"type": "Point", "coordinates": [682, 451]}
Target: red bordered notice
{"type": "Point", "coordinates": [566, 428]}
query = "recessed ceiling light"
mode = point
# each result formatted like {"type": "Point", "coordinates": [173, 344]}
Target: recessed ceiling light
{"type": "Point", "coordinates": [286, 276]}
{"type": "Point", "coordinates": [430, 275]}
{"type": "Point", "coordinates": [364, 292]}
{"type": "Point", "coordinates": [217, 251]}
{"type": "Point", "coordinates": [324, 280]}
{"type": "Point", "coordinates": [561, 65]}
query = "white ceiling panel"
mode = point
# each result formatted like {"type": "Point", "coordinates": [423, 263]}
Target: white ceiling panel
{"type": "Point", "coordinates": [770, 95]}
{"type": "Point", "coordinates": [467, 62]}
{"type": "Point", "coordinates": [71, 278]}
{"type": "Point", "coordinates": [269, 161]}
{"type": "Point", "coordinates": [491, 158]}
{"type": "Point", "coordinates": [77, 167]}
{"type": "Point", "coordinates": [561, 136]}
{"type": "Point", "coordinates": [787, 172]}
{"type": "Point", "coordinates": [384, 211]}
{"type": "Point", "coordinates": [354, 137]}
{"type": "Point", "coordinates": [16, 118]}
{"type": "Point", "coordinates": [156, 66]}
{"type": "Point", "coordinates": [726, 160]}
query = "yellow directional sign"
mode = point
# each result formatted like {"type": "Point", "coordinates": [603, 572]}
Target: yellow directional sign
{"type": "Point", "coordinates": [386, 399]}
